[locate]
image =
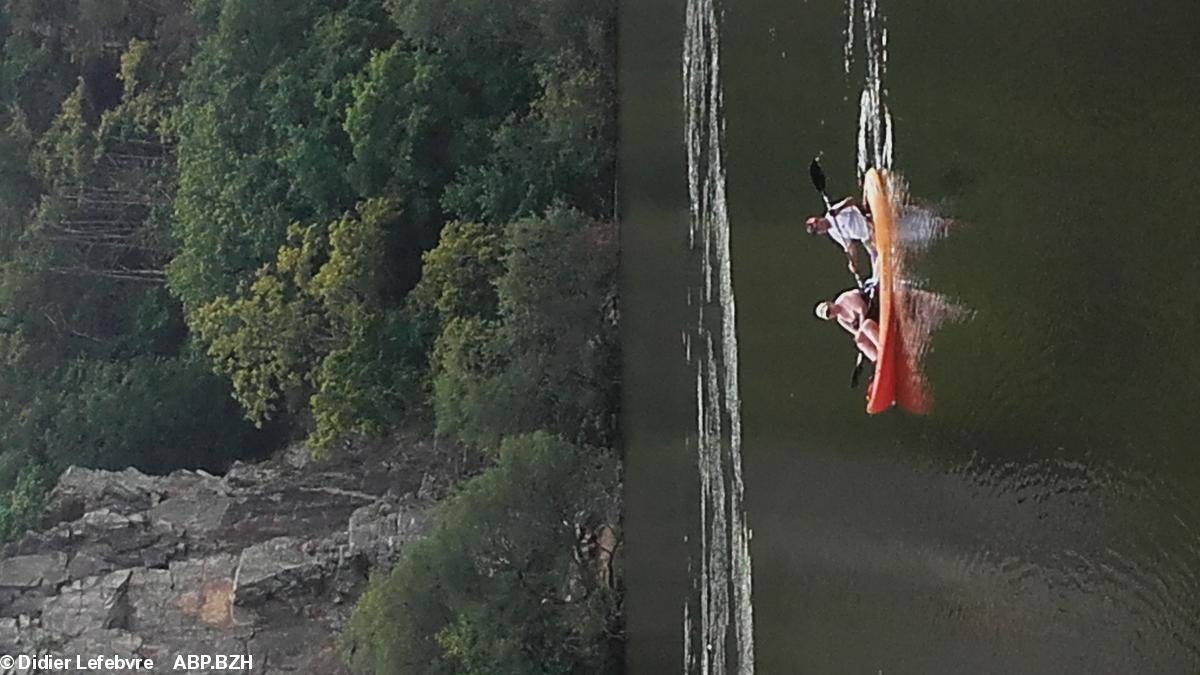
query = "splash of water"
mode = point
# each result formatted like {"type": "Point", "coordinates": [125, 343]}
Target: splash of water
{"type": "Point", "coordinates": [724, 587]}
{"type": "Point", "coordinates": [920, 311]}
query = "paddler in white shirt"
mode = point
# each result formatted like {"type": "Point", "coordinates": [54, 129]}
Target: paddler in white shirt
{"type": "Point", "coordinates": [848, 226]}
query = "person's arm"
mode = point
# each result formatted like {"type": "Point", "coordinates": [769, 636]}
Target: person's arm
{"type": "Point", "coordinates": [846, 203]}
{"type": "Point", "coordinates": [868, 346]}
{"type": "Point", "coordinates": [873, 254]}
{"type": "Point", "coordinates": [851, 203]}
{"type": "Point", "coordinates": [851, 249]}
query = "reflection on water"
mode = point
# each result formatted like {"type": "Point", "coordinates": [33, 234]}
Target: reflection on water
{"type": "Point", "coordinates": [848, 47]}
{"type": "Point", "coordinates": [723, 584]}
{"type": "Point", "coordinates": [920, 311]}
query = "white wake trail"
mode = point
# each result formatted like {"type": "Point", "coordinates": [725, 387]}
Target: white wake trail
{"type": "Point", "coordinates": [724, 587]}
{"type": "Point", "coordinates": [875, 140]}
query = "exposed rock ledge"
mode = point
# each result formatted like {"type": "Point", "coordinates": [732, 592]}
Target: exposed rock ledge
{"type": "Point", "coordinates": [266, 560]}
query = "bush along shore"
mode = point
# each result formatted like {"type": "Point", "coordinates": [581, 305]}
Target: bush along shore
{"type": "Point", "coordinates": [229, 226]}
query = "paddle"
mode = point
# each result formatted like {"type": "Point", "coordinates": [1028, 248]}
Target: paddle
{"type": "Point", "coordinates": [818, 180]}
{"type": "Point", "coordinates": [817, 174]}
{"type": "Point", "coordinates": [858, 368]}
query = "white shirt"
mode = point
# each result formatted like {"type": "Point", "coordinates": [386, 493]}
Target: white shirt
{"type": "Point", "coordinates": [849, 225]}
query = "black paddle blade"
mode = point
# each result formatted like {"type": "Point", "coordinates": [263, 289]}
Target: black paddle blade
{"type": "Point", "coordinates": [858, 368]}
{"type": "Point", "coordinates": [817, 175]}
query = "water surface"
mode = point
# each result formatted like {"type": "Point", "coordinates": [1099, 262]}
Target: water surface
{"type": "Point", "coordinates": [1046, 517]}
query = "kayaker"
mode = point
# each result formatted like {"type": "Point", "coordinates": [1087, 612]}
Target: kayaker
{"type": "Point", "coordinates": [855, 313]}
{"type": "Point", "coordinates": [848, 225]}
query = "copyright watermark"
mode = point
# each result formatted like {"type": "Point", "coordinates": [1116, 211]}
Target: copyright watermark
{"type": "Point", "coordinates": [27, 662]}
{"type": "Point", "coordinates": [132, 664]}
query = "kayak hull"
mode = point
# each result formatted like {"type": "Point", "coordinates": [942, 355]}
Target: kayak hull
{"type": "Point", "coordinates": [897, 378]}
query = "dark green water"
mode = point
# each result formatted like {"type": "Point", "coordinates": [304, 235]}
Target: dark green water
{"type": "Point", "coordinates": [1046, 517]}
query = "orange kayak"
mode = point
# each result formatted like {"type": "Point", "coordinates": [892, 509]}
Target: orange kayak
{"type": "Point", "coordinates": [897, 379]}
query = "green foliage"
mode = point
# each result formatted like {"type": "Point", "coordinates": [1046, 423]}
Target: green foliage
{"type": "Point", "coordinates": [548, 65]}
{"type": "Point", "coordinates": [550, 360]}
{"type": "Point", "coordinates": [501, 587]}
{"type": "Point", "coordinates": [458, 278]}
{"type": "Point", "coordinates": [153, 413]}
{"type": "Point", "coordinates": [19, 188]}
{"type": "Point", "coordinates": [80, 271]}
{"type": "Point", "coordinates": [563, 146]}
{"type": "Point", "coordinates": [400, 122]}
{"type": "Point", "coordinates": [94, 367]}
{"type": "Point", "coordinates": [333, 106]}
{"type": "Point", "coordinates": [533, 31]}
{"type": "Point", "coordinates": [262, 141]}
{"type": "Point", "coordinates": [217, 209]}
{"type": "Point", "coordinates": [310, 331]}
{"type": "Point", "coordinates": [23, 489]}
{"type": "Point", "coordinates": [50, 45]}
{"type": "Point", "coordinates": [378, 378]}
{"type": "Point", "coordinates": [149, 413]}
{"type": "Point", "coordinates": [65, 150]}
{"type": "Point", "coordinates": [466, 373]}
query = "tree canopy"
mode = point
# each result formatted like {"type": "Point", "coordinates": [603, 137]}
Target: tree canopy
{"type": "Point", "coordinates": [230, 224]}
{"type": "Point", "coordinates": [488, 593]}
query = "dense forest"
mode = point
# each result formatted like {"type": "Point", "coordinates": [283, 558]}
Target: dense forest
{"type": "Point", "coordinates": [229, 225]}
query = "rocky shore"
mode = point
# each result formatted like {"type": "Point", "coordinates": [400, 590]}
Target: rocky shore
{"type": "Point", "coordinates": [264, 562]}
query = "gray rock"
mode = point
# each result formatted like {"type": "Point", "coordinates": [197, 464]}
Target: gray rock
{"type": "Point", "coordinates": [105, 642]}
{"type": "Point", "coordinates": [10, 635]}
{"type": "Point", "coordinates": [33, 571]}
{"type": "Point", "coordinates": [87, 564]}
{"type": "Point", "coordinates": [379, 531]}
{"type": "Point", "coordinates": [26, 603]}
{"type": "Point", "coordinates": [81, 490]}
{"type": "Point", "coordinates": [267, 560]}
{"type": "Point", "coordinates": [297, 457]}
{"type": "Point", "coordinates": [96, 603]}
{"type": "Point", "coordinates": [104, 540]}
{"type": "Point", "coordinates": [198, 512]}
{"type": "Point", "coordinates": [280, 567]}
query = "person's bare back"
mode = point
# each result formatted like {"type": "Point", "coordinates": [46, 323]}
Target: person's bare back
{"type": "Point", "coordinates": [851, 309]}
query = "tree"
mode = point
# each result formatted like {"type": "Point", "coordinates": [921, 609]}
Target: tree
{"type": "Point", "coordinates": [19, 189]}
{"type": "Point", "coordinates": [562, 150]}
{"type": "Point", "coordinates": [458, 278]}
{"type": "Point", "coordinates": [550, 360]}
{"type": "Point", "coordinates": [544, 73]}
{"type": "Point", "coordinates": [23, 496]}
{"type": "Point", "coordinates": [109, 182]}
{"type": "Point", "coordinates": [83, 264]}
{"type": "Point", "coordinates": [311, 334]}
{"type": "Point", "coordinates": [512, 580]}
{"type": "Point", "coordinates": [262, 143]}
{"type": "Point", "coordinates": [152, 413]}
{"type": "Point", "coordinates": [50, 44]}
